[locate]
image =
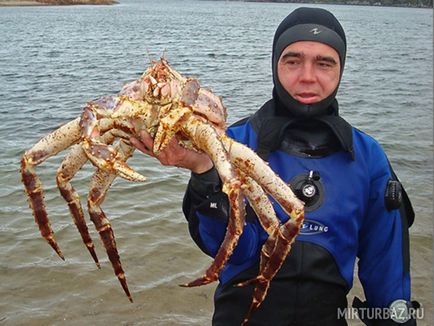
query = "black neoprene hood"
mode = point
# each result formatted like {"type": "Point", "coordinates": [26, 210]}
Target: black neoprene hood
{"type": "Point", "coordinates": [307, 24]}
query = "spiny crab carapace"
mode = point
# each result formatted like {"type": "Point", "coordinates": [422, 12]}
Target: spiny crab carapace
{"type": "Point", "coordinates": [167, 105]}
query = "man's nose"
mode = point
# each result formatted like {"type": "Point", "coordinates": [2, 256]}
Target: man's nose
{"type": "Point", "coordinates": [308, 72]}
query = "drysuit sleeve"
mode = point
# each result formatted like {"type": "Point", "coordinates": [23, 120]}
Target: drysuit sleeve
{"type": "Point", "coordinates": [206, 208]}
{"type": "Point", "coordinates": [384, 267]}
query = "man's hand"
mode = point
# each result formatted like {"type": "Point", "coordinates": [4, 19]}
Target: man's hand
{"type": "Point", "coordinates": [174, 154]}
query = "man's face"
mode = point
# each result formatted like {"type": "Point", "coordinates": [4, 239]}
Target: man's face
{"type": "Point", "coordinates": [309, 71]}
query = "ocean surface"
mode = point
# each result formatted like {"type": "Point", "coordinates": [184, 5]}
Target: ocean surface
{"type": "Point", "coordinates": [54, 59]}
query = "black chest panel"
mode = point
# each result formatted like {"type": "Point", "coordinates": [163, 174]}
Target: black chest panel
{"type": "Point", "coordinates": [308, 289]}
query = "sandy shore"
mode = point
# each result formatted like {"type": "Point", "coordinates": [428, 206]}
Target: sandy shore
{"type": "Point", "coordinates": [15, 3]}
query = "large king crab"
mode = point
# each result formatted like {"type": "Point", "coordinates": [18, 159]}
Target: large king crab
{"type": "Point", "coordinates": [166, 104]}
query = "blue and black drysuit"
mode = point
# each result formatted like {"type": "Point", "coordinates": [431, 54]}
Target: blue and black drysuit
{"type": "Point", "coordinates": [356, 213]}
{"type": "Point", "coordinates": [355, 206]}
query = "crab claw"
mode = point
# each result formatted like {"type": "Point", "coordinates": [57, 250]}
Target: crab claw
{"type": "Point", "coordinates": [106, 158]}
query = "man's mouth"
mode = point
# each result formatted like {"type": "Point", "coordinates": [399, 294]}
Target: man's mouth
{"type": "Point", "coordinates": [307, 97]}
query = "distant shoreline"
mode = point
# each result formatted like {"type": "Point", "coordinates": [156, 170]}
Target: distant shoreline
{"type": "Point", "coordinates": [379, 3]}
{"type": "Point", "coordinates": [21, 3]}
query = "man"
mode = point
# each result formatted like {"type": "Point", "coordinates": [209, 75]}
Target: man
{"type": "Point", "coordinates": [355, 206]}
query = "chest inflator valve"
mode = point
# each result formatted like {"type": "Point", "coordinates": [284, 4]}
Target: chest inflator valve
{"type": "Point", "coordinates": [308, 188]}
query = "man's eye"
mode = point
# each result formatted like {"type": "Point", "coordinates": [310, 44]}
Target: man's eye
{"type": "Point", "coordinates": [325, 64]}
{"type": "Point", "coordinates": [291, 62]}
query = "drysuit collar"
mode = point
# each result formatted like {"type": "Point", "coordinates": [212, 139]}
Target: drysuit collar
{"type": "Point", "coordinates": [272, 128]}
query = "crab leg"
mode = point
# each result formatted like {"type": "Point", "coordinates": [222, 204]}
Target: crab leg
{"type": "Point", "coordinates": [69, 167]}
{"type": "Point", "coordinates": [260, 204]}
{"type": "Point", "coordinates": [251, 164]}
{"type": "Point", "coordinates": [206, 138]}
{"type": "Point", "coordinates": [100, 183]}
{"type": "Point", "coordinates": [48, 146]}
{"type": "Point", "coordinates": [278, 245]}
{"type": "Point", "coordinates": [273, 254]}
{"type": "Point", "coordinates": [71, 164]}
{"type": "Point", "coordinates": [267, 217]}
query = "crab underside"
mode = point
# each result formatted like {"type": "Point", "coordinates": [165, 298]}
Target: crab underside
{"type": "Point", "coordinates": [167, 105]}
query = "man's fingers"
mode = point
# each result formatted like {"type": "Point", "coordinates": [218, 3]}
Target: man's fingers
{"type": "Point", "coordinates": [174, 154]}
{"type": "Point", "coordinates": [146, 139]}
{"type": "Point", "coordinates": [144, 144]}
{"type": "Point", "coordinates": [141, 146]}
